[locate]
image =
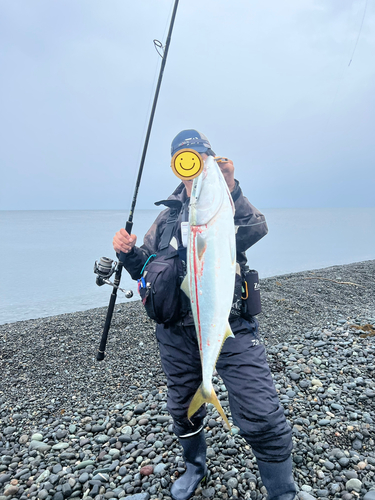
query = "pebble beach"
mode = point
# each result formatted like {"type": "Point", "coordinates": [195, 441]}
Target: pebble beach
{"type": "Point", "coordinates": [72, 427]}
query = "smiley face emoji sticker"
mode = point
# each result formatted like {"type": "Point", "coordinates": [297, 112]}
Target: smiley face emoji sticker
{"type": "Point", "coordinates": [187, 164]}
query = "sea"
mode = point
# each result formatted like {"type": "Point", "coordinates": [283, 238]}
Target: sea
{"type": "Point", "coordinates": [47, 257]}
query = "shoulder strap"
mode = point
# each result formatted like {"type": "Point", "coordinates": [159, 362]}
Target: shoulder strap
{"type": "Point", "coordinates": [175, 207]}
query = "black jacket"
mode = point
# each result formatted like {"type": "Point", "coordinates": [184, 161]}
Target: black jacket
{"type": "Point", "coordinates": [250, 226]}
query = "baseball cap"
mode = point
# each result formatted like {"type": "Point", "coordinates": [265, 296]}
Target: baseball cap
{"type": "Point", "coordinates": [190, 139]}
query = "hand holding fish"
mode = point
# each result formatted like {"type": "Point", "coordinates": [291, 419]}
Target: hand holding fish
{"type": "Point", "coordinates": [123, 241]}
{"type": "Point", "coordinates": [227, 169]}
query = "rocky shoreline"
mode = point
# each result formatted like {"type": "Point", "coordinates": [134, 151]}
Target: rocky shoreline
{"type": "Point", "coordinates": [71, 427]}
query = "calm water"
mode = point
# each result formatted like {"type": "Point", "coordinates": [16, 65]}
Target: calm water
{"type": "Point", "coordinates": [47, 257]}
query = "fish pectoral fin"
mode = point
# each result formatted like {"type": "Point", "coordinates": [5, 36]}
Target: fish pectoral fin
{"type": "Point", "coordinates": [199, 399]}
{"type": "Point", "coordinates": [201, 245]}
{"type": "Point", "coordinates": [228, 332]}
{"type": "Point", "coordinates": [185, 286]}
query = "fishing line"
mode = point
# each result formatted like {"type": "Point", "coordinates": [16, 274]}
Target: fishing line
{"type": "Point", "coordinates": [359, 34]}
{"type": "Point", "coordinates": [344, 71]}
{"type": "Point", "coordinates": [167, 23]}
{"type": "Point", "coordinates": [156, 75]}
{"type": "Point", "coordinates": [146, 119]}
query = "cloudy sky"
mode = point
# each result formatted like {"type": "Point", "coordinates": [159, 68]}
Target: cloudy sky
{"type": "Point", "coordinates": [268, 82]}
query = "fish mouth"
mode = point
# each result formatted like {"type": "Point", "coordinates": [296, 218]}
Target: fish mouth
{"type": "Point", "coordinates": [183, 168]}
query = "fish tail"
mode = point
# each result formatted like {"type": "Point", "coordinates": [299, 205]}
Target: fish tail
{"type": "Point", "coordinates": [199, 399]}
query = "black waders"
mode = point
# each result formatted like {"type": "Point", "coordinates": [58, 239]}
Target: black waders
{"type": "Point", "coordinates": [195, 458]}
{"type": "Point", "coordinates": [277, 477]}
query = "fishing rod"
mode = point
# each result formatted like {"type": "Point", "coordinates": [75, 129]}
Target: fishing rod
{"type": "Point", "coordinates": [106, 268]}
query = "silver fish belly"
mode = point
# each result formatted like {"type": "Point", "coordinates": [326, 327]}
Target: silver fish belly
{"type": "Point", "coordinates": [211, 268]}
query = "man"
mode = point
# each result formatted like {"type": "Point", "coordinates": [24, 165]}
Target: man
{"type": "Point", "coordinates": [242, 362]}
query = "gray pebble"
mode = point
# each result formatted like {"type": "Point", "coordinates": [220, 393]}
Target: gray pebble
{"type": "Point", "coordinates": [139, 496]}
{"type": "Point", "coordinates": [83, 477]}
{"type": "Point", "coordinates": [159, 468]}
{"type": "Point", "coordinates": [303, 495]}
{"type": "Point", "coordinates": [39, 446]}
{"type": "Point", "coordinates": [122, 471]}
{"type": "Point", "coordinates": [42, 494]}
{"type": "Point", "coordinates": [344, 461]}
{"type": "Point", "coordinates": [329, 465]}
{"type": "Point", "coordinates": [232, 482]}
{"type": "Point", "coordinates": [354, 484]}
{"type": "Point", "coordinates": [208, 492]}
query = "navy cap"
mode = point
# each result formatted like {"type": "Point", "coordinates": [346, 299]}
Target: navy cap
{"type": "Point", "coordinates": [190, 139]}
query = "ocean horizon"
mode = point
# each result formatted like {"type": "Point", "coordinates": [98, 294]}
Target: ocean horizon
{"type": "Point", "coordinates": [48, 255]}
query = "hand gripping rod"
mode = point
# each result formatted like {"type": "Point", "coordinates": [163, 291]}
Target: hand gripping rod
{"type": "Point", "coordinates": [129, 224]}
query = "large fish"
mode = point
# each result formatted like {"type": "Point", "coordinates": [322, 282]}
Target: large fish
{"type": "Point", "coordinates": [211, 268]}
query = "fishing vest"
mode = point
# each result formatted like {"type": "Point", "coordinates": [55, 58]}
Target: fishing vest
{"type": "Point", "coordinates": [163, 273]}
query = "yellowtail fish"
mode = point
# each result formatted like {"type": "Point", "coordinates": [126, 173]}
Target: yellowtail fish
{"type": "Point", "coordinates": [211, 268]}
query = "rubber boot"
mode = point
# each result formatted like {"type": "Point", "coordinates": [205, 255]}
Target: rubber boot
{"type": "Point", "coordinates": [195, 458]}
{"type": "Point", "coordinates": [277, 477]}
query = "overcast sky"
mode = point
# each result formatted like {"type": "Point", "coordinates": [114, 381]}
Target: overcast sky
{"type": "Point", "coordinates": [268, 82]}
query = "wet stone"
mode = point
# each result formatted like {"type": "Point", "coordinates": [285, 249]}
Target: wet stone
{"type": "Point", "coordinates": [101, 477]}
{"type": "Point", "coordinates": [85, 464]}
{"type": "Point", "coordinates": [303, 495]}
{"type": "Point", "coordinates": [58, 496]}
{"type": "Point", "coordinates": [357, 444]}
{"type": "Point", "coordinates": [83, 477]}
{"type": "Point", "coordinates": [122, 471]}
{"type": "Point", "coordinates": [23, 439]}
{"type": "Point", "coordinates": [54, 479]}
{"type": "Point", "coordinates": [56, 468]}
{"type": "Point", "coordinates": [43, 494]}
{"type": "Point", "coordinates": [354, 484]}
{"type": "Point", "coordinates": [139, 496]}
{"type": "Point", "coordinates": [344, 461]}
{"type": "Point", "coordinates": [159, 468]}
{"type": "Point", "coordinates": [232, 482]}
{"type": "Point", "coordinates": [37, 437]}
{"type": "Point", "coordinates": [101, 438]}
{"type": "Point", "coordinates": [4, 478]}
{"type": "Point", "coordinates": [351, 474]}
{"type": "Point", "coordinates": [39, 446]}
{"type": "Point", "coordinates": [66, 490]}
{"type": "Point", "coordinates": [61, 434]}
{"type": "Point", "coordinates": [139, 410]}
{"type": "Point", "coordinates": [324, 421]}
{"type": "Point", "coordinates": [11, 491]}
{"type": "Point", "coordinates": [146, 470]}
{"type": "Point", "coordinates": [208, 492]}
{"type": "Point", "coordinates": [329, 465]}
